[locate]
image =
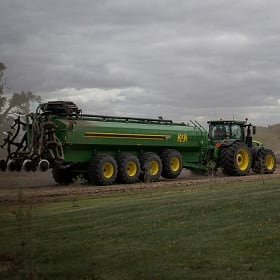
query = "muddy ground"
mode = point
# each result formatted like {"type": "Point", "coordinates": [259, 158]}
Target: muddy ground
{"type": "Point", "coordinates": [40, 186]}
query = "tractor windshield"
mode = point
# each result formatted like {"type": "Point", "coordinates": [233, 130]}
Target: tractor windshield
{"type": "Point", "coordinates": [220, 131]}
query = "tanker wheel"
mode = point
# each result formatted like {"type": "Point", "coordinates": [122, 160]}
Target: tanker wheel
{"type": "Point", "coordinates": [171, 164]}
{"type": "Point", "coordinates": [129, 168]}
{"type": "Point", "coordinates": [151, 167]}
{"type": "Point", "coordinates": [62, 176]}
{"type": "Point", "coordinates": [235, 159]}
{"type": "Point", "coordinates": [102, 170]}
{"type": "Point", "coordinates": [265, 161]}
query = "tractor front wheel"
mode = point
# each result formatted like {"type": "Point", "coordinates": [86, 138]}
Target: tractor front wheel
{"type": "Point", "coordinates": [265, 161]}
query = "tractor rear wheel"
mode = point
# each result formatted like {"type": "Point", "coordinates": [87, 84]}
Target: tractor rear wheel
{"type": "Point", "coordinates": [129, 168]}
{"type": "Point", "coordinates": [265, 161]}
{"type": "Point", "coordinates": [235, 159]}
{"type": "Point", "coordinates": [171, 164]}
{"type": "Point", "coordinates": [102, 170]}
{"type": "Point", "coordinates": [151, 167]}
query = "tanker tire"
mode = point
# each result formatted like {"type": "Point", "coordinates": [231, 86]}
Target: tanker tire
{"type": "Point", "coordinates": [62, 176]}
{"type": "Point", "coordinates": [171, 164]}
{"type": "Point", "coordinates": [129, 168]}
{"type": "Point", "coordinates": [151, 167]}
{"type": "Point", "coordinates": [102, 170]}
{"type": "Point", "coordinates": [265, 161]}
{"type": "Point", "coordinates": [235, 159]}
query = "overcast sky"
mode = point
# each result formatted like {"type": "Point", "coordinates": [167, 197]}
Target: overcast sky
{"type": "Point", "coordinates": [180, 59]}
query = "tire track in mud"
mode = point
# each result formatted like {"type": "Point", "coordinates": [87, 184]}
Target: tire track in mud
{"type": "Point", "coordinates": [16, 187]}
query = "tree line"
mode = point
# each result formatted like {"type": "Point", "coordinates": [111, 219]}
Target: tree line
{"type": "Point", "coordinates": [18, 102]}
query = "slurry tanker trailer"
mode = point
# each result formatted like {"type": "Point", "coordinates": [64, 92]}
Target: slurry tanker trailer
{"type": "Point", "coordinates": [107, 149]}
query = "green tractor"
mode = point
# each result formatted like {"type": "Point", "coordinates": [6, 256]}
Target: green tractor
{"type": "Point", "coordinates": [235, 151]}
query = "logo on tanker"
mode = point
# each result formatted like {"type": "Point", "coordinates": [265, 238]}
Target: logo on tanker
{"type": "Point", "coordinates": [182, 137]}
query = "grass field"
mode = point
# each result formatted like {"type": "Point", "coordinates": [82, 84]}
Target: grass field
{"type": "Point", "coordinates": [227, 231]}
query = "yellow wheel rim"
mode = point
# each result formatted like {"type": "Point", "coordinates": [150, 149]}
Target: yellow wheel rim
{"type": "Point", "coordinates": [108, 170]}
{"type": "Point", "coordinates": [154, 167]}
{"type": "Point", "coordinates": [242, 159]}
{"type": "Point", "coordinates": [174, 164]}
{"type": "Point", "coordinates": [269, 162]}
{"type": "Point", "coordinates": [131, 168]}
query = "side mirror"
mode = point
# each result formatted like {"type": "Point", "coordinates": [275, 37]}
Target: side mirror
{"type": "Point", "coordinates": [254, 130]}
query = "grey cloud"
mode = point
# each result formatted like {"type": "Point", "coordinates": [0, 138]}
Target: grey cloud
{"type": "Point", "coordinates": [186, 56]}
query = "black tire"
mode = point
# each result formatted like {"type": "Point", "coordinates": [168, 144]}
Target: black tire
{"type": "Point", "coordinates": [171, 164]}
{"type": "Point", "coordinates": [63, 176]}
{"type": "Point", "coordinates": [265, 161]}
{"type": "Point", "coordinates": [102, 170]}
{"type": "Point", "coordinates": [151, 167]}
{"type": "Point", "coordinates": [128, 168]}
{"type": "Point", "coordinates": [235, 159]}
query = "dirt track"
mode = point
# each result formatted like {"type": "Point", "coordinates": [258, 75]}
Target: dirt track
{"type": "Point", "coordinates": [41, 186]}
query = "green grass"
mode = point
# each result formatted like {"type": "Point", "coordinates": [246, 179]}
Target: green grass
{"type": "Point", "coordinates": [203, 232]}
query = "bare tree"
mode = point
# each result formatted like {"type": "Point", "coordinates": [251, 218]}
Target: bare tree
{"type": "Point", "coordinates": [18, 103]}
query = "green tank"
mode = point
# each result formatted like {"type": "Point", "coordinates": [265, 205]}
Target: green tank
{"type": "Point", "coordinates": [86, 135]}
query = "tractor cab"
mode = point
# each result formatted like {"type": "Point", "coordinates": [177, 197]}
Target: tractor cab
{"type": "Point", "coordinates": [235, 130]}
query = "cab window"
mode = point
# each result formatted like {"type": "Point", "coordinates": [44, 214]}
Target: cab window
{"type": "Point", "coordinates": [236, 132]}
{"type": "Point", "coordinates": [218, 132]}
